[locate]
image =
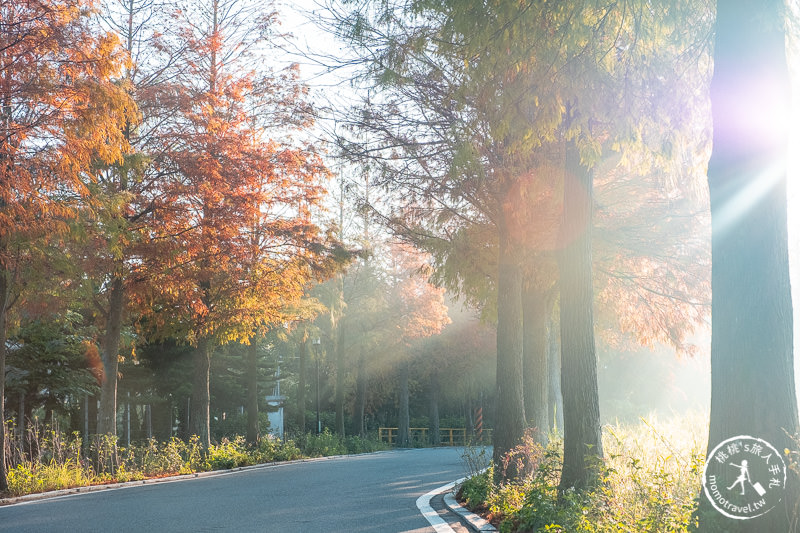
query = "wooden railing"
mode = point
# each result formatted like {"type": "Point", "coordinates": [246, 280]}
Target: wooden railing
{"type": "Point", "coordinates": [447, 436]}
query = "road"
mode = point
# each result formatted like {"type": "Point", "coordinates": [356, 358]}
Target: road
{"type": "Point", "coordinates": [363, 493]}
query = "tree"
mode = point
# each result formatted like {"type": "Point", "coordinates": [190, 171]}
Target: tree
{"type": "Point", "coordinates": [239, 240]}
{"type": "Point", "coordinates": [418, 311]}
{"type": "Point", "coordinates": [117, 218]}
{"type": "Point", "coordinates": [474, 102]}
{"type": "Point", "coordinates": [60, 111]}
{"type": "Point", "coordinates": [752, 377]}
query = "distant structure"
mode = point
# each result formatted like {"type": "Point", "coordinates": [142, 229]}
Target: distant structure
{"type": "Point", "coordinates": [275, 403]}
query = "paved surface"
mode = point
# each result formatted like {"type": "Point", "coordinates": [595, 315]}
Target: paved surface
{"type": "Point", "coordinates": [365, 493]}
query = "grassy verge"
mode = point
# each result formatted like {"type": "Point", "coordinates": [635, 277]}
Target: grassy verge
{"type": "Point", "coordinates": [649, 481]}
{"type": "Point", "coordinates": [57, 461]}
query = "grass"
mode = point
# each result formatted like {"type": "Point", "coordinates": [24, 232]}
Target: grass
{"type": "Point", "coordinates": [56, 461]}
{"type": "Point", "coordinates": [649, 481]}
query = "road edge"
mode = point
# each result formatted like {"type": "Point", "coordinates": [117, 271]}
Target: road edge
{"type": "Point", "coordinates": [475, 522]}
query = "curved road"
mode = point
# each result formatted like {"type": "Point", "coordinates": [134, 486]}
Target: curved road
{"type": "Point", "coordinates": [363, 493]}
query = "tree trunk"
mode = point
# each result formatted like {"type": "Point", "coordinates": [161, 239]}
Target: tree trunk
{"type": "Point", "coordinates": [148, 421]}
{"type": "Point", "coordinates": [107, 413]}
{"type": "Point", "coordinates": [127, 418]}
{"type": "Point", "coordinates": [403, 423]}
{"type": "Point", "coordinates": [340, 375]}
{"type": "Point", "coordinates": [510, 409]}
{"type": "Point", "coordinates": [582, 440]}
{"type": "Point", "coordinates": [199, 412]}
{"type": "Point", "coordinates": [301, 386]}
{"type": "Point", "coordinates": [536, 309]}
{"type": "Point", "coordinates": [4, 299]}
{"type": "Point", "coordinates": [361, 395]}
{"type": "Point", "coordinates": [252, 391]}
{"type": "Point", "coordinates": [433, 429]}
{"type": "Point", "coordinates": [752, 366]}
{"type": "Point", "coordinates": [555, 410]}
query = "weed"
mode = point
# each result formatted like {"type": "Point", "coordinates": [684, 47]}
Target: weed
{"type": "Point", "coordinates": [648, 482]}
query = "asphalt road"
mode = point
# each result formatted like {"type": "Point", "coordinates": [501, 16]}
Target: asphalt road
{"type": "Point", "coordinates": [364, 493]}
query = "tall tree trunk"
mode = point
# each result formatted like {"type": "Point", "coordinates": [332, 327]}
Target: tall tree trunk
{"type": "Point", "coordinates": [361, 394]}
{"type": "Point", "coordinates": [340, 375]}
{"type": "Point", "coordinates": [582, 439]}
{"type": "Point", "coordinates": [148, 421]}
{"type": "Point", "coordinates": [536, 310]}
{"type": "Point", "coordinates": [433, 429]}
{"type": "Point", "coordinates": [107, 413]}
{"type": "Point", "coordinates": [752, 364]}
{"type": "Point", "coordinates": [199, 413]}
{"type": "Point", "coordinates": [301, 386]}
{"type": "Point", "coordinates": [510, 408]}
{"type": "Point", "coordinates": [4, 301]}
{"type": "Point", "coordinates": [555, 410]}
{"type": "Point", "coordinates": [403, 422]}
{"type": "Point", "coordinates": [127, 420]}
{"type": "Point", "coordinates": [252, 391]}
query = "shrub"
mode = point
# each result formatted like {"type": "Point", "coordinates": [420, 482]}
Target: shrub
{"type": "Point", "coordinates": [323, 445]}
{"type": "Point", "coordinates": [474, 491]}
{"type": "Point", "coordinates": [649, 481]}
{"type": "Point", "coordinates": [228, 454]}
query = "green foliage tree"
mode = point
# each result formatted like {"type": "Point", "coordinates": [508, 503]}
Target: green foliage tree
{"type": "Point", "coordinates": [53, 365]}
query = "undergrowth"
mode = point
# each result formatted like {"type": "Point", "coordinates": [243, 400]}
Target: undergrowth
{"type": "Point", "coordinates": [649, 481]}
{"type": "Point", "coordinates": [52, 460]}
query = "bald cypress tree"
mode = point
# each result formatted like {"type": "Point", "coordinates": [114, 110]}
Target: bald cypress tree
{"type": "Point", "coordinates": [752, 367]}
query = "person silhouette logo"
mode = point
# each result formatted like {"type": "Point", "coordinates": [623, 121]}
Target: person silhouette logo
{"type": "Point", "coordinates": [744, 477]}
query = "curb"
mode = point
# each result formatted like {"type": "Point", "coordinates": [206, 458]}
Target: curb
{"type": "Point", "coordinates": [37, 496]}
{"type": "Point", "coordinates": [475, 522]}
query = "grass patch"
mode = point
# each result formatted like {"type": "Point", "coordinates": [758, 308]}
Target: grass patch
{"type": "Point", "coordinates": [650, 481]}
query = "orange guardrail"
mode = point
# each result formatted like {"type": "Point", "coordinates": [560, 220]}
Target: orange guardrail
{"type": "Point", "coordinates": [419, 436]}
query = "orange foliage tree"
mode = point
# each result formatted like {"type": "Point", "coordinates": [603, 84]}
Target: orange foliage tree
{"type": "Point", "coordinates": [238, 243]}
{"type": "Point", "coordinates": [60, 112]}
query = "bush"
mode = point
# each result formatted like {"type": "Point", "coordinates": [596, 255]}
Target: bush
{"type": "Point", "coordinates": [323, 445]}
{"type": "Point", "coordinates": [58, 461]}
{"type": "Point", "coordinates": [228, 454]}
{"type": "Point", "coordinates": [474, 491]}
{"type": "Point", "coordinates": [649, 481]}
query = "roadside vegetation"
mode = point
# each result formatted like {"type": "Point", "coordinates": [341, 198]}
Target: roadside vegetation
{"type": "Point", "coordinates": [650, 481]}
{"type": "Point", "coordinates": [55, 460]}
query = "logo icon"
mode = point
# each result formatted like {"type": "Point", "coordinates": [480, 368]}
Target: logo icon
{"type": "Point", "coordinates": [744, 477]}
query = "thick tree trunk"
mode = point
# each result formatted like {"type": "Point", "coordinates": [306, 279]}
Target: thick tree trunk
{"type": "Point", "coordinates": [510, 409]}
{"type": "Point", "coordinates": [752, 376]}
{"type": "Point", "coordinates": [252, 391]}
{"type": "Point", "coordinates": [301, 386]}
{"type": "Point", "coordinates": [536, 309]}
{"type": "Point", "coordinates": [107, 413]}
{"type": "Point", "coordinates": [361, 395]}
{"type": "Point", "coordinates": [340, 377]}
{"type": "Point", "coordinates": [582, 440]}
{"type": "Point", "coordinates": [403, 423]}
{"type": "Point", "coordinates": [199, 413]}
{"type": "Point", "coordinates": [433, 429]}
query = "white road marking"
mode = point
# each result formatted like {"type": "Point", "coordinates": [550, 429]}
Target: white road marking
{"type": "Point", "coordinates": [433, 518]}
